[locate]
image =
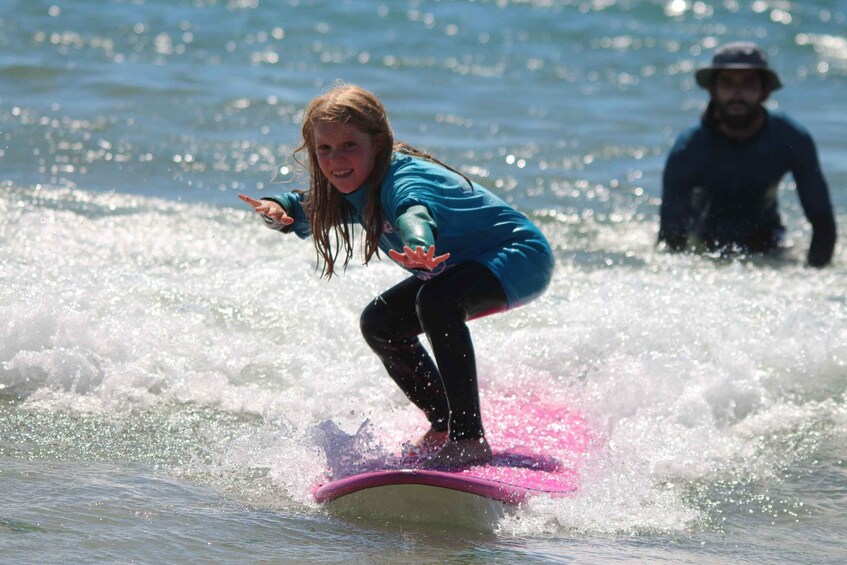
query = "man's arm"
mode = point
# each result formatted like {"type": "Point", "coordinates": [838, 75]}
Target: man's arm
{"type": "Point", "coordinates": [823, 241]}
{"type": "Point", "coordinates": [814, 197]}
{"type": "Point", "coordinates": [676, 211]}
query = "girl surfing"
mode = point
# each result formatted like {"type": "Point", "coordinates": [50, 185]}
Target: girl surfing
{"type": "Point", "coordinates": [469, 254]}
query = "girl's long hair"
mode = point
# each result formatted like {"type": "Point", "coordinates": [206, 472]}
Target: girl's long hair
{"type": "Point", "coordinates": [330, 216]}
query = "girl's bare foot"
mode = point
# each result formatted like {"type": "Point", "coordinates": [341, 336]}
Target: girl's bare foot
{"type": "Point", "coordinates": [457, 454]}
{"type": "Point", "coordinates": [431, 441]}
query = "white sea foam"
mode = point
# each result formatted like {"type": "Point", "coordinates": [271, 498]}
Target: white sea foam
{"type": "Point", "coordinates": [690, 370]}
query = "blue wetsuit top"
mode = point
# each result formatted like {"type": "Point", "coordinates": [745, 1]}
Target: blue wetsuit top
{"type": "Point", "coordinates": [469, 222]}
{"type": "Point", "coordinates": [725, 191]}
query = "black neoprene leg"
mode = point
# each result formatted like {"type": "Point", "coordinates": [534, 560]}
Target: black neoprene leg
{"type": "Point", "coordinates": [444, 304]}
{"type": "Point", "coordinates": [440, 307]}
{"type": "Point", "coordinates": [390, 326]}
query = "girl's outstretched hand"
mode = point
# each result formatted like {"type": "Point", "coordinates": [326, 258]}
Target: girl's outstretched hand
{"type": "Point", "coordinates": [269, 208]}
{"type": "Point", "coordinates": [418, 258]}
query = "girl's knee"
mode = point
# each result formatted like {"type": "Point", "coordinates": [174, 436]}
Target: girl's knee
{"type": "Point", "coordinates": [370, 322]}
{"type": "Point", "coordinates": [379, 323]}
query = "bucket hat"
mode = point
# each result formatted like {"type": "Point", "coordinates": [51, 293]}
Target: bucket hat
{"type": "Point", "coordinates": [738, 55]}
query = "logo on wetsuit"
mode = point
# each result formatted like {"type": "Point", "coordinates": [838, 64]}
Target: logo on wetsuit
{"type": "Point", "coordinates": [426, 275]}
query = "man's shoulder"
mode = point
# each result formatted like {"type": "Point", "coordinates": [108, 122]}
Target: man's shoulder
{"type": "Point", "coordinates": [692, 138]}
{"type": "Point", "coordinates": [785, 125]}
{"type": "Point", "coordinates": [694, 131]}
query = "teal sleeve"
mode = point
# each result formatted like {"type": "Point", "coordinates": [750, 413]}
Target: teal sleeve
{"type": "Point", "coordinates": [292, 203]}
{"type": "Point", "coordinates": [416, 227]}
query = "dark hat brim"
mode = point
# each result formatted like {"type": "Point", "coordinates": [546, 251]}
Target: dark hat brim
{"type": "Point", "coordinates": [705, 76]}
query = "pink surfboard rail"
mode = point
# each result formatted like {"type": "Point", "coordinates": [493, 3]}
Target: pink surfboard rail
{"type": "Point", "coordinates": [488, 488]}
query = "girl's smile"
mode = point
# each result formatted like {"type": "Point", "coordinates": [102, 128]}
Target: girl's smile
{"type": "Point", "coordinates": [345, 155]}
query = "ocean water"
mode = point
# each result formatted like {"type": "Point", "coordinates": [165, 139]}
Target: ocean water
{"type": "Point", "coordinates": [174, 377]}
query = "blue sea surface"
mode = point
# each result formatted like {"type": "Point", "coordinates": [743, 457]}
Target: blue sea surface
{"type": "Point", "coordinates": [170, 369]}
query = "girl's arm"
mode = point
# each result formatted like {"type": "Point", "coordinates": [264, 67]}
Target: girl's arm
{"type": "Point", "coordinates": [418, 258]}
{"type": "Point", "coordinates": [418, 230]}
{"type": "Point", "coordinates": [270, 209]}
{"type": "Point", "coordinates": [282, 213]}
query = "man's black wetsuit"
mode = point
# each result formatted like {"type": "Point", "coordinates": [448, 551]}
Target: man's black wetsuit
{"type": "Point", "coordinates": [724, 192]}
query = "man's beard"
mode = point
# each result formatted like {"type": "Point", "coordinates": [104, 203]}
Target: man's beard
{"type": "Point", "coordinates": [736, 121]}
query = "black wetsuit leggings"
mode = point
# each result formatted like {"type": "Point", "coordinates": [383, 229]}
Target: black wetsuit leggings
{"type": "Point", "coordinates": [447, 393]}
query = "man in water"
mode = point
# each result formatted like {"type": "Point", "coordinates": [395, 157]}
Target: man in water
{"type": "Point", "coordinates": [721, 178]}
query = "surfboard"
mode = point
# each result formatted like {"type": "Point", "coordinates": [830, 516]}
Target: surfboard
{"type": "Point", "coordinates": [509, 477]}
{"type": "Point", "coordinates": [538, 449]}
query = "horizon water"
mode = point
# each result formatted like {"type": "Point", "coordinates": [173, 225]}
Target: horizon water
{"type": "Point", "coordinates": [174, 376]}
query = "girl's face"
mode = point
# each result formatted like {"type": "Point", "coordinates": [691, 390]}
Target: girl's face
{"type": "Point", "coordinates": [346, 155]}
